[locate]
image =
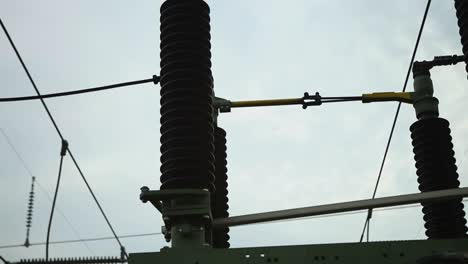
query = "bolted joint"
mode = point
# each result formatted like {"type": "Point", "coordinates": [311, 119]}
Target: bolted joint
{"type": "Point", "coordinates": [26, 243]}
{"type": "Point", "coordinates": [424, 102]}
{"type": "Point", "coordinates": [221, 104]}
{"type": "Point", "coordinates": [186, 214]}
{"type": "Point", "coordinates": [309, 100]}
{"type": "Point", "coordinates": [64, 148]}
{"type": "Point", "coordinates": [422, 68]}
{"type": "Point", "coordinates": [156, 79]}
{"type": "Point", "coordinates": [144, 190]}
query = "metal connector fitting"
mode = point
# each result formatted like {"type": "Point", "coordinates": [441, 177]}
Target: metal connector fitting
{"type": "Point", "coordinates": [156, 79]}
{"type": "Point", "coordinates": [222, 104]}
{"type": "Point", "coordinates": [143, 196]}
{"type": "Point", "coordinates": [186, 214]}
{"type": "Point", "coordinates": [64, 148]}
{"type": "Point", "coordinates": [424, 102]}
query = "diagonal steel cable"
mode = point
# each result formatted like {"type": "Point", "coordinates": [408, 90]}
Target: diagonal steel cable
{"type": "Point", "coordinates": [60, 133]}
{"type": "Point", "coordinates": [421, 28]}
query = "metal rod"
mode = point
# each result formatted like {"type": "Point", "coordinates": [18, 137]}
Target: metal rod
{"type": "Point", "coordinates": [341, 207]}
{"type": "Point", "coordinates": [272, 102]}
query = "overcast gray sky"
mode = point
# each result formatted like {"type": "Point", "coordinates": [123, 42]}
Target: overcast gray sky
{"type": "Point", "coordinates": [278, 158]}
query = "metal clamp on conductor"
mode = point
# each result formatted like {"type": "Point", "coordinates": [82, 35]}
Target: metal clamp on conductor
{"type": "Point", "coordinates": [225, 106]}
{"type": "Point", "coordinates": [316, 100]}
{"type": "Point", "coordinates": [156, 79]}
{"type": "Point", "coordinates": [63, 150]}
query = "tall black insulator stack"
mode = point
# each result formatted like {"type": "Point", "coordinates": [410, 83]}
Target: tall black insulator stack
{"type": "Point", "coordinates": [187, 150]}
{"type": "Point", "coordinates": [461, 6]}
{"type": "Point", "coordinates": [219, 201]}
{"type": "Point", "coordinates": [436, 170]}
{"type": "Point", "coordinates": [29, 213]}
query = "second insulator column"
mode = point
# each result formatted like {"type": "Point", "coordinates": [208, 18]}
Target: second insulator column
{"type": "Point", "coordinates": [436, 170]}
{"type": "Point", "coordinates": [187, 150]}
{"type": "Point", "coordinates": [435, 162]}
{"type": "Point", "coordinates": [219, 202]}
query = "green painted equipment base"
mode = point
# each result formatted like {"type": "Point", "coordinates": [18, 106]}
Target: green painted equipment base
{"type": "Point", "coordinates": [413, 251]}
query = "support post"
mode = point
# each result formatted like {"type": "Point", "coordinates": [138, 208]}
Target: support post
{"type": "Point", "coordinates": [187, 149]}
{"type": "Point", "coordinates": [435, 160]}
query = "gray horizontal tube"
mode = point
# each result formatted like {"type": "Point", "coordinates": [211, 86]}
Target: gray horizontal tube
{"type": "Point", "coordinates": [341, 207]}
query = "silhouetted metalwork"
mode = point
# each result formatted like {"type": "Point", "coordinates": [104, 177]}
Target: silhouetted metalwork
{"type": "Point", "coordinates": [436, 170]}
{"type": "Point", "coordinates": [29, 213]}
{"type": "Point", "coordinates": [422, 67]}
{"type": "Point", "coordinates": [80, 260]}
{"type": "Point", "coordinates": [57, 129]}
{"type": "Point", "coordinates": [187, 150]}
{"type": "Point", "coordinates": [461, 6]}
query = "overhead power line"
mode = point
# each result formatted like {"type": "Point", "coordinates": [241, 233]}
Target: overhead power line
{"type": "Point", "coordinates": [44, 191]}
{"type": "Point", "coordinates": [4, 261]}
{"type": "Point", "coordinates": [154, 79]}
{"type": "Point", "coordinates": [63, 151]}
{"type": "Point", "coordinates": [60, 133]}
{"type": "Point", "coordinates": [421, 28]}
{"type": "Point", "coordinates": [20, 158]}
{"type": "Point", "coordinates": [82, 240]}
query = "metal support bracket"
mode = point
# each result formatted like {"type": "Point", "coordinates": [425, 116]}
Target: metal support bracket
{"type": "Point", "coordinates": [222, 104]}
{"type": "Point", "coordinates": [186, 214]}
{"type": "Point", "coordinates": [424, 102]}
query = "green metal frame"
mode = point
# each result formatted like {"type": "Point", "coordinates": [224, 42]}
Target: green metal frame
{"type": "Point", "coordinates": [412, 251]}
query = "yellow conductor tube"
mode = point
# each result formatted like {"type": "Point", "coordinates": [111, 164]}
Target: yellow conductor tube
{"type": "Point", "coordinates": [388, 97]}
